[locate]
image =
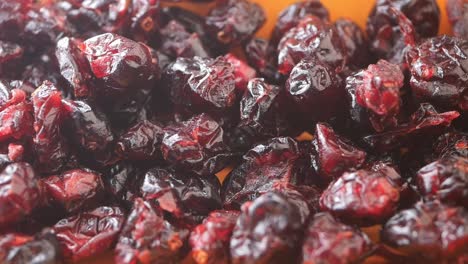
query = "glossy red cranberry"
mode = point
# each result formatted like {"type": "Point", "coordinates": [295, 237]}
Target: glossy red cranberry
{"type": "Point", "coordinates": [327, 240]}
{"type": "Point", "coordinates": [210, 240]}
{"type": "Point", "coordinates": [457, 11]}
{"type": "Point", "coordinates": [122, 181]}
{"type": "Point", "coordinates": [355, 43]}
{"type": "Point", "coordinates": [429, 230]}
{"type": "Point", "coordinates": [178, 42]}
{"type": "Point", "coordinates": [437, 72]}
{"type": "Point", "coordinates": [20, 193]}
{"type": "Point", "coordinates": [141, 142]}
{"type": "Point", "coordinates": [12, 240]}
{"type": "Point", "coordinates": [451, 144]}
{"type": "Point", "coordinates": [146, 237]}
{"type": "Point", "coordinates": [242, 71]}
{"type": "Point", "coordinates": [261, 54]}
{"type": "Point", "coordinates": [89, 233]}
{"type": "Point", "coordinates": [43, 249]}
{"type": "Point", "coordinates": [268, 231]}
{"type": "Point", "coordinates": [9, 51]}
{"type": "Point", "coordinates": [13, 18]}
{"type": "Point", "coordinates": [16, 115]}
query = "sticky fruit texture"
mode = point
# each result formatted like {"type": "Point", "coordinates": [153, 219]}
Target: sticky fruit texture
{"type": "Point", "coordinates": [336, 154]}
{"type": "Point", "coordinates": [242, 72]}
{"type": "Point", "coordinates": [9, 51]}
{"type": "Point", "coordinates": [374, 96]}
{"type": "Point", "coordinates": [16, 114]}
{"type": "Point", "coordinates": [446, 179]}
{"type": "Point", "coordinates": [196, 145]}
{"type": "Point", "coordinates": [457, 11]}
{"type": "Point", "coordinates": [390, 34]}
{"type": "Point", "coordinates": [327, 240]}
{"type": "Point", "coordinates": [293, 14]}
{"type": "Point", "coordinates": [141, 141]}
{"type": "Point", "coordinates": [261, 54]}
{"type": "Point", "coordinates": [234, 22]}
{"type": "Point", "coordinates": [355, 43]}
{"type": "Point", "coordinates": [12, 240]}
{"type": "Point", "coordinates": [74, 66]}
{"type": "Point", "coordinates": [122, 181]}
{"type": "Point", "coordinates": [74, 190]}
{"type": "Point", "coordinates": [89, 233]}
{"type": "Point", "coordinates": [146, 237]}
{"type": "Point", "coordinates": [178, 42]}
{"type": "Point", "coordinates": [364, 197]}
{"type": "Point", "coordinates": [304, 198]}
{"type": "Point", "coordinates": [268, 231]}
{"type": "Point", "coordinates": [43, 249]}
{"type": "Point", "coordinates": [12, 18]}
{"type": "Point", "coordinates": [451, 144]}
{"type": "Point", "coordinates": [425, 123]}
{"type": "Point", "coordinates": [316, 90]}
{"type": "Point", "coordinates": [124, 74]}
{"type": "Point", "coordinates": [438, 74]}
{"type": "Point", "coordinates": [186, 197]}
{"type": "Point", "coordinates": [210, 240]}
{"type": "Point", "coordinates": [429, 230]}
{"type": "Point", "coordinates": [201, 84]}
{"type": "Point", "coordinates": [20, 192]}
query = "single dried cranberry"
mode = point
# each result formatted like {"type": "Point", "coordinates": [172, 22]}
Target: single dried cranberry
{"type": "Point", "coordinates": [451, 144]}
{"type": "Point", "coordinates": [336, 154]}
{"type": "Point", "coordinates": [74, 190]}
{"type": "Point", "coordinates": [177, 42]}
{"type": "Point", "coordinates": [261, 54]}
{"type": "Point", "coordinates": [20, 193]}
{"type": "Point", "coordinates": [9, 51]}
{"type": "Point", "coordinates": [330, 241]}
{"type": "Point", "coordinates": [311, 37]}
{"type": "Point", "coordinates": [210, 240]}
{"type": "Point", "coordinates": [89, 233]}
{"type": "Point", "coordinates": [438, 72]}
{"type": "Point", "coordinates": [141, 142]}
{"type": "Point", "coordinates": [242, 72]}
{"type": "Point", "coordinates": [365, 197]}
{"type": "Point", "coordinates": [429, 230]}
{"type": "Point", "coordinates": [234, 22]}
{"type": "Point", "coordinates": [457, 11]}
{"type": "Point", "coordinates": [355, 43]}
{"type": "Point", "coordinates": [44, 249]}
{"type": "Point", "coordinates": [146, 237]}
{"type": "Point", "coordinates": [16, 120]}
{"type": "Point", "coordinates": [268, 231]}
{"type": "Point", "coordinates": [186, 197]}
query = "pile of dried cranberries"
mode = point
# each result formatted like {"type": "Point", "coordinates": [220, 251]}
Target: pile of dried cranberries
{"type": "Point", "coordinates": [116, 115]}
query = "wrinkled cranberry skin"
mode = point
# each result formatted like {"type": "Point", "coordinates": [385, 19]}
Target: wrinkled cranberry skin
{"type": "Point", "coordinates": [446, 179]}
{"type": "Point", "coordinates": [146, 238]}
{"type": "Point", "coordinates": [13, 18]}
{"type": "Point", "coordinates": [242, 71]}
{"type": "Point", "coordinates": [233, 22]}
{"type": "Point", "coordinates": [20, 192]}
{"type": "Point", "coordinates": [42, 250]}
{"type": "Point", "coordinates": [177, 42]}
{"type": "Point", "coordinates": [261, 54]}
{"type": "Point", "coordinates": [451, 144]}
{"type": "Point", "coordinates": [141, 141]}
{"type": "Point", "coordinates": [429, 230]}
{"type": "Point", "coordinates": [268, 231]}
{"type": "Point", "coordinates": [188, 198]}
{"type": "Point", "coordinates": [16, 118]}
{"type": "Point", "coordinates": [355, 43]}
{"type": "Point", "coordinates": [330, 241]}
{"type": "Point", "coordinates": [210, 240]}
{"type": "Point", "coordinates": [89, 233]}
{"type": "Point", "coordinates": [196, 145]}
{"type": "Point", "coordinates": [336, 154]}
{"type": "Point", "coordinates": [9, 51]}
{"type": "Point", "coordinates": [438, 73]}
{"type": "Point", "coordinates": [365, 197]}
{"type": "Point", "coordinates": [311, 37]}
{"type": "Point", "coordinates": [74, 190]}
{"type": "Point", "coordinates": [456, 11]}
{"type": "Point", "coordinates": [12, 240]}
{"type": "Point", "coordinates": [122, 181]}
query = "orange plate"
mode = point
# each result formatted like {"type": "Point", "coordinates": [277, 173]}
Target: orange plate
{"type": "Point", "coordinates": [357, 10]}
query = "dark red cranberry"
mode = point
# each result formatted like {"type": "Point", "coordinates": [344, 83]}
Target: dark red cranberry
{"type": "Point", "coordinates": [261, 54]}
{"type": "Point", "coordinates": [355, 43]}
{"type": "Point", "coordinates": [234, 22]}
{"type": "Point", "coordinates": [178, 42]}
{"type": "Point", "coordinates": [311, 37]}
{"type": "Point", "coordinates": [438, 72]}
{"type": "Point", "coordinates": [451, 144]}
{"type": "Point", "coordinates": [9, 51]}
{"type": "Point", "coordinates": [364, 197]}
{"type": "Point", "coordinates": [143, 20]}
{"type": "Point", "coordinates": [146, 237]}
{"type": "Point", "coordinates": [20, 193]}
{"type": "Point", "coordinates": [16, 116]}
{"type": "Point", "coordinates": [90, 233]}
{"type": "Point", "coordinates": [123, 180]}
{"type": "Point", "coordinates": [210, 240]}
{"type": "Point", "coordinates": [141, 142]}
{"type": "Point", "coordinates": [457, 11]}
{"type": "Point", "coordinates": [429, 230]}
{"type": "Point", "coordinates": [44, 249]}
{"type": "Point", "coordinates": [188, 198]}
{"type": "Point", "coordinates": [74, 190]}
{"type": "Point", "coordinates": [242, 71]}
{"type": "Point", "coordinates": [330, 241]}
{"type": "Point", "coordinates": [336, 154]}
{"type": "Point", "coordinates": [13, 18]}
{"type": "Point", "coordinates": [268, 231]}
{"type": "Point", "coordinates": [304, 198]}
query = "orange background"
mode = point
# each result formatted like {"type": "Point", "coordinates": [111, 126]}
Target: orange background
{"type": "Point", "coordinates": [357, 10]}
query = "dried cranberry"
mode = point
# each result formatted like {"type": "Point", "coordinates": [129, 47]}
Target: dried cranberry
{"type": "Point", "coordinates": [438, 72]}
{"type": "Point", "coordinates": [16, 118]}
{"type": "Point", "coordinates": [210, 240]}
{"type": "Point", "coordinates": [330, 241]}
{"type": "Point", "coordinates": [268, 231]}
{"type": "Point", "coordinates": [42, 250]}
{"type": "Point", "coordinates": [141, 142]}
{"type": "Point", "coordinates": [9, 51]}
{"type": "Point", "coordinates": [451, 144]}
{"type": "Point", "coordinates": [12, 240]}
{"type": "Point", "coordinates": [429, 230]}
{"type": "Point", "coordinates": [177, 42]}
{"type": "Point", "coordinates": [242, 72]}
{"type": "Point", "coordinates": [457, 11]}
{"type": "Point", "coordinates": [355, 43]}
{"type": "Point", "coordinates": [122, 180]}
{"type": "Point", "coordinates": [261, 54]}
{"type": "Point", "coordinates": [143, 20]}
{"type": "Point", "coordinates": [311, 37]}
{"type": "Point", "coordinates": [146, 237]}
{"type": "Point", "coordinates": [186, 197]}
{"type": "Point", "coordinates": [13, 18]}
{"type": "Point", "coordinates": [89, 233]}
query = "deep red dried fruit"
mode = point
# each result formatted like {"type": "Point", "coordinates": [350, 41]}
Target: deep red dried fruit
{"type": "Point", "coordinates": [210, 240]}
{"type": "Point", "coordinates": [330, 241]}
{"type": "Point", "coordinates": [451, 144]}
{"type": "Point", "coordinates": [457, 11]}
{"type": "Point", "coordinates": [268, 231]}
{"type": "Point", "coordinates": [261, 54]}
{"type": "Point", "coordinates": [355, 43]}
{"type": "Point", "coordinates": [19, 192]}
{"type": "Point", "coordinates": [89, 233]}
{"type": "Point", "coordinates": [16, 116]}
{"type": "Point", "coordinates": [141, 142]}
{"type": "Point", "coordinates": [429, 230]}
{"type": "Point", "coordinates": [43, 249]}
{"type": "Point", "coordinates": [13, 18]}
{"type": "Point", "coordinates": [147, 237]}
{"type": "Point", "coordinates": [177, 42]}
{"type": "Point", "coordinates": [188, 198]}
{"type": "Point", "coordinates": [9, 51]}
{"type": "Point", "coordinates": [364, 197]}
{"type": "Point", "coordinates": [438, 72]}
{"type": "Point", "coordinates": [12, 240]}
{"type": "Point", "coordinates": [122, 180]}
{"type": "Point", "coordinates": [242, 71]}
